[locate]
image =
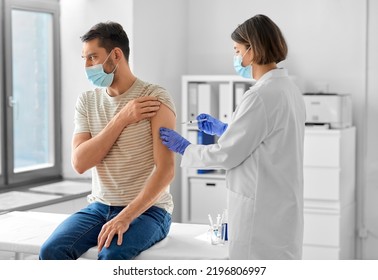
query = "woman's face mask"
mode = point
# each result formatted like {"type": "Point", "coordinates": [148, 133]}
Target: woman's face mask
{"type": "Point", "coordinates": [97, 76]}
{"type": "Point", "coordinates": [244, 71]}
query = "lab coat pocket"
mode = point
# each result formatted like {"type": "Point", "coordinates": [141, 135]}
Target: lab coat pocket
{"type": "Point", "coordinates": [243, 178]}
{"type": "Point", "coordinates": [241, 211]}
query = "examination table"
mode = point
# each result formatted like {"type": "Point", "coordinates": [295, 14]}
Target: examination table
{"type": "Point", "coordinates": [24, 233]}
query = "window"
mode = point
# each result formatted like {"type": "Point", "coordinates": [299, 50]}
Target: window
{"type": "Point", "coordinates": [30, 83]}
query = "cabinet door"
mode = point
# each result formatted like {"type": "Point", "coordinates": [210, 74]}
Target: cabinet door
{"type": "Point", "coordinates": [206, 197]}
{"type": "Point", "coordinates": [322, 228]}
{"type": "Point", "coordinates": [321, 183]}
{"type": "Point", "coordinates": [322, 150]}
{"type": "Point", "coordinates": [320, 253]}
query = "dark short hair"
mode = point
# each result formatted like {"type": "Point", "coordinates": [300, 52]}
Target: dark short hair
{"type": "Point", "coordinates": [264, 37]}
{"type": "Point", "coordinates": [110, 35]}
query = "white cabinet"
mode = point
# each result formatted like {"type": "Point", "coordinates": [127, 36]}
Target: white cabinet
{"type": "Point", "coordinates": [329, 172]}
{"type": "Point", "coordinates": [329, 194]}
{"type": "Point", "coordinates": [204, 194]}
{"type": "Point", "coordinates": [207, 196]}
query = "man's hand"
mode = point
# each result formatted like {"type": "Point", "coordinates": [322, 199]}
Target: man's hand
{"type": "Point", "coordinates": [115, 226]}
{"type": "Point", "coordinates": [139, 109]}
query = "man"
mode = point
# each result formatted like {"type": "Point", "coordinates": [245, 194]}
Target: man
{"type": "Point", "coordinates": [117, 136]}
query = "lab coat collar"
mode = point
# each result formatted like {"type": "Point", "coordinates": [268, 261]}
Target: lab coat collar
{"type": "Point", "coordinates": [275, 73]}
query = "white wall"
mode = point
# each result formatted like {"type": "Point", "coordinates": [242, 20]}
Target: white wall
{"type": "Point", "coordinates": [323, 36]}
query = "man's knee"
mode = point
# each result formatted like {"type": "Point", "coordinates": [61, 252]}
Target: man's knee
{"type": "Point", "coordinates": [48, 251]}
{"type": "Point", "coordinates": [51, 250]}
{"type": "Point", "coordinates": [116, 252]}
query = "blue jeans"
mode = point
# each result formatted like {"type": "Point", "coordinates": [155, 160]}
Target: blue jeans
{"type": "Point", "coordinates": [79, 232]}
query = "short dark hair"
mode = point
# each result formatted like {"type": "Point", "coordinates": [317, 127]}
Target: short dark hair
{"type": "Point", "coordinates": [110, 35]}
{"type": "Point", "coordinates": [264, 37]}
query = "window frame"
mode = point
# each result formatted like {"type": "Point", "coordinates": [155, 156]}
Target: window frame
{"type": "Point", "coordinates": [10, 178]}
{"type": "Point", "coordinates": [2, 105]}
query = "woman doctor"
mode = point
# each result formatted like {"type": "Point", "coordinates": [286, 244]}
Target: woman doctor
{"type": "Point", "coordinates": [261, 149]}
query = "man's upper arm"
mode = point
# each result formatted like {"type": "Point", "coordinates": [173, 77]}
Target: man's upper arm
{"type": "Point", "coordinates": [164, 118]}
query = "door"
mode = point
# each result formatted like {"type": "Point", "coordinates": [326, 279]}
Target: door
{"type": "Point", "coordinates": [368, 206]}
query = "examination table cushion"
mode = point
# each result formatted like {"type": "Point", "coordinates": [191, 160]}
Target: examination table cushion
{"type": "Point", "coordinates": [25, 232]}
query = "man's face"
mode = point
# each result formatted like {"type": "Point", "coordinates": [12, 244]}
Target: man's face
{"type": "Point", "coordinates": [93, 54]}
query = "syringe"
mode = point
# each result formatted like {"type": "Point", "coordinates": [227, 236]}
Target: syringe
{"type": "Point", "coordinates": [194, 121]}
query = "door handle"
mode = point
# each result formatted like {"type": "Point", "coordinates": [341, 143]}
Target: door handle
{"type": "Point", "coordinates": [11, 101]}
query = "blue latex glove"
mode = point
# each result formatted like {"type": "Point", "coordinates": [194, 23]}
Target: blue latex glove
{"type": "Point", "coordinates": [174, 141]}
{"type": "Point", "coordinates": [211, 125]}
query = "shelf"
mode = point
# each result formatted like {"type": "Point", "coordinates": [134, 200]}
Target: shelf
{"type": "Point", "coordinates": [217, 95]}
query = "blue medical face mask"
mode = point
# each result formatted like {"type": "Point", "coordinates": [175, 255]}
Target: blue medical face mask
{"type": "Point", "coordinates": [244, 71]}
{"type": "Point", "coordinates": [97, 76]}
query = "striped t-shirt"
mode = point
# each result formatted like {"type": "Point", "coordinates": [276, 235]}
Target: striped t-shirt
{"type": "Point", "coordinates": [122, 174]}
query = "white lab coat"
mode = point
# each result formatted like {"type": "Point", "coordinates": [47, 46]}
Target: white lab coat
{"type": "Point", "coordinates": [262, 153]}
